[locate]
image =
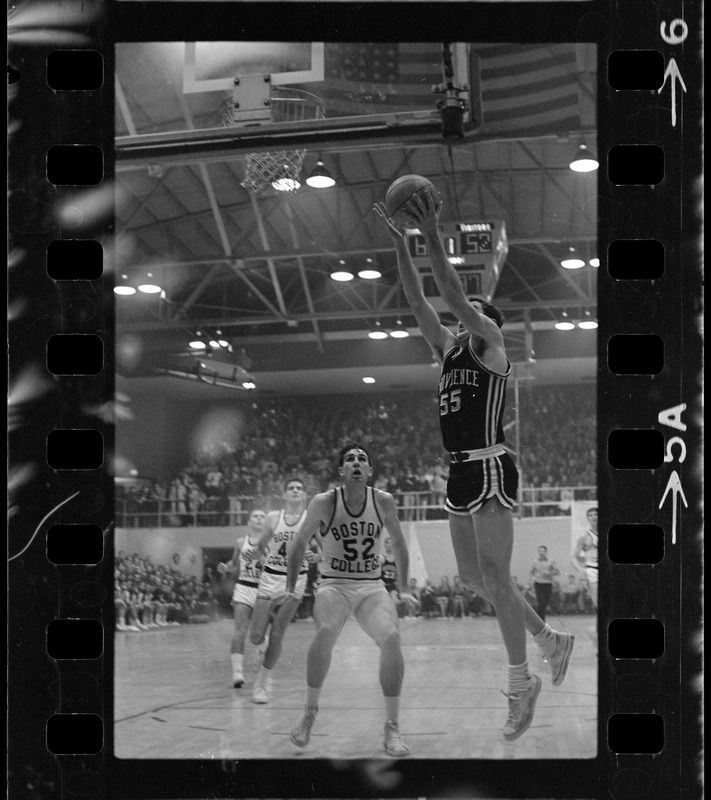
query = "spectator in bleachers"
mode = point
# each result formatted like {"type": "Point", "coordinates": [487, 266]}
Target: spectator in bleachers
{"type": "Point", "coordinates": [444, 597]}
{"type": "Point", "coordinates": [459, 599]}
{"type": "Point", "coordinates": [558, 451]}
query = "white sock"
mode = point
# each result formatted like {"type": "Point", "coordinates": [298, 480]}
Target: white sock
{"type": "Point", "coordinates": [392, 708]}
{"type": "Point", "coordinates": [312, 696]}
{"type": "Point", "coordinates": [545, 638]}
{"type": "Point", "coordinates": [236, 663]}
{"type": "Point", "coordinates": [519, 677]}
{"type": "Point", "coordinates": [264, 677]}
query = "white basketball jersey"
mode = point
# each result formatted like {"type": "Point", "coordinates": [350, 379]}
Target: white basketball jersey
{"type": "Point", "coordinates": [280, 543]}
{"type": "Point", "coordinates": [590, 549]}
{"type": "Point", "coordinates": [351, 539]}
{"type": "Point", "coordinates": [250, 566]}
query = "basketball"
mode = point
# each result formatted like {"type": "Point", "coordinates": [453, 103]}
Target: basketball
{"type": "Point", "coordinates": [400, 192]}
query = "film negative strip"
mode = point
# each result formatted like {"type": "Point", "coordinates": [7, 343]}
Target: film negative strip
{"type": "Point", "coordinates": [63, 404]}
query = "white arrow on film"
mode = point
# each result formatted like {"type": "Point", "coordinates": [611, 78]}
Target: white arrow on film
{"type": "Point", "coordinates": [674, 486]}
{"type": "Point", "coordinates": [673, 73]}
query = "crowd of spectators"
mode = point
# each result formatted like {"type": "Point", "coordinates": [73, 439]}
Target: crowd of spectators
{"type": "Point", "coordinates": [279, 437]}
{"type": "Point", "coordinates": [453, 600]}
{"type": "Point", "coordinates": [149, 596]}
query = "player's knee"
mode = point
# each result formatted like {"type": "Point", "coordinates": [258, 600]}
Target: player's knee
{"type": "Point", "coordinates": [389, 640]}
{"type": "Point", "coordinates": [327, 634]}
{"type": "Point", "coordinates": [496, 579]}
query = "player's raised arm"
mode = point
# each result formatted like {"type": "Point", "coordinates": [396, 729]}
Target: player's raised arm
{"type": "Point", "coordinates": [425, 211]}
{"type": "Point", "coordinates": [319, 511]}
{"type": "Point", "coordinates": [436, 335]}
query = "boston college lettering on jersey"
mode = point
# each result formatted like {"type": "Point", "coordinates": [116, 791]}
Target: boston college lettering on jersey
{"type": "Point", "coordinates": [471, 402]}
{"type": "Point", "coordinates": [351, 540]}
{"type": "Point", "coordinates": [280, 542]}
{"type": "Point", "coordinates": [250, 567]}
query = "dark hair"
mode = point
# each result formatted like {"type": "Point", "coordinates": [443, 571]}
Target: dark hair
{"type": "Point", "coordinates": [292, 479]}
{"type": "Point", "coordinates": [488, 309]}
{"type": "Point", "coordinates": [352, 446]}
{"type": "Point", "coordinates": [592, 508]}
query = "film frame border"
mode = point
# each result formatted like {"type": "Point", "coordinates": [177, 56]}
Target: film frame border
{"type": "Point", "coordinates": [675, 397]}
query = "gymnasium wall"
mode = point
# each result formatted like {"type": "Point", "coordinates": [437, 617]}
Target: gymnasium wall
{"type": "Point", "coordinates": [553, 532]}
{"type": "Point", "coordinates": [160, 544]}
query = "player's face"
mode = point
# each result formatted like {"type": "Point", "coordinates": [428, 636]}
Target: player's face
{"type": "Point", "coordinates": [294, 491]}
{"type": "Point", "coordinates": [356, 467]}
{"type": "Point", "coordinates": [592, 518]}
{"type": "Point", "coordinates": [256, 521]}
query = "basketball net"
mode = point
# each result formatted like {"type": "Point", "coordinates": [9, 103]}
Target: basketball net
{"type": "Point", "coordinates": [263, 170]}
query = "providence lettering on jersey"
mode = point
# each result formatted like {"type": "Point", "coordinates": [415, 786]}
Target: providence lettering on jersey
{"type": "Point", "coordinates": [282, 537]}
{"type": "Point", "coordinates": [351, 541]}
{"type": "Point", "coordinates": [471, 402]}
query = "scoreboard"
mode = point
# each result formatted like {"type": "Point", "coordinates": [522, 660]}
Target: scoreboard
{"type": "Point", "coordinates": [476, 249]}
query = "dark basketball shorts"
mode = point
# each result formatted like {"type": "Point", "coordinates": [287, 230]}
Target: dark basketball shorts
{"type": "Point", "coordinates": [472, 483]}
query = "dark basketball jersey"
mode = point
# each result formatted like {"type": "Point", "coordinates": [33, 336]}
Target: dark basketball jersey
{"type": "Point", "coordinates": [388, 571]}
{"type": "Point", "coordinates": [471, 402]}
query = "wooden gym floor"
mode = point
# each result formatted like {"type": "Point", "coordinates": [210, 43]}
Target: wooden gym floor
{"type": "Point", "coordinates": [174, 697]}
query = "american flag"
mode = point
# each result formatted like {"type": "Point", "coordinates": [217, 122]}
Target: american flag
{"type": "Point", "coordinates": [525, 89]}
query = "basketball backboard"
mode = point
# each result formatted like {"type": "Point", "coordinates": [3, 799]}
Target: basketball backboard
{"type": "Point", "coordinates": [343, 89]}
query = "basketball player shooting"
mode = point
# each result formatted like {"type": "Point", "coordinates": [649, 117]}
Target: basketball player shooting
{"type": "Point", "coordinates": [483, 480]}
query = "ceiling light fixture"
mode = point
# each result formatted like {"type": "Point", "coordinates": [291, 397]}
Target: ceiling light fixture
{"type": "Point", "coordinates": [124, 290]}
{"type": "Point", "coordinates": [249, 385]}
{"type": "Point", "coordinates": [320, 177]}
{"type": "Point", "coordinates": [342, 275]}
{"type": "Point", "coordinates": [370, 274]}
{"type": "Point", "coordinates": [572, 261]}
{"type": "Point", "coordinates": [588, 324]}
{"type": "Point", "coordinates": [378, 333]}
{"type": "Point", "coordinates": [400, 332]}
{"type": "Point", "coordinates": [149, 288]}
{"type": "Point", "coordinates": [564, 324]}
{"type": "Point", "coordinates": [594, 262]}
{"type": "Point", "coordinates": [197, 344]}
{"type": "Point", "coordinates": [584, 161]}
{"type": "Point", "coordinates": [368, 380]}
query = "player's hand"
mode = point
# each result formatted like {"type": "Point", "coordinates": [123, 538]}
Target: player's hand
{"type": "Point", "coordinates": [424, 209]}
{"type": "Point", "coordinates": [279, 599]}
{"type": "Point", "coordinates": [222, 568]}
{"type": "Point", "coordinates": [313, 558]}
{"type": "Point", "coordinates": [396, 231]}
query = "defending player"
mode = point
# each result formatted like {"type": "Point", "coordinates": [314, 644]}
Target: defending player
{"type": "Point", "coordinates": [483, 481]}
{"type": "Point", "coordinates": [348, 522]}
{"type": "Point", "coordinates": [247, 568]}
{"type": "Point", "coordinates": [273, 606]}
{"type": "Point", "coordinates": [388, 570]}
{"type": "Point", "coordinates": [583, 556]}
